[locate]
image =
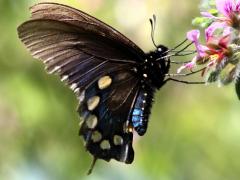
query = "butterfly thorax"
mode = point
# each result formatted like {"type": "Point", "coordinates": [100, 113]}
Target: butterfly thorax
{"type": "Point", "coordinates": [155, 67]}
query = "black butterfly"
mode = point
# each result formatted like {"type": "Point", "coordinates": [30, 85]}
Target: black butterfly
{"type": "Point", "coordinates": [112, 77]}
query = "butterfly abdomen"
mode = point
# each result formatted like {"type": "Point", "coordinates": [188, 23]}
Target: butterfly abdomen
{"type": "Point", "coordinates": [141, 110]}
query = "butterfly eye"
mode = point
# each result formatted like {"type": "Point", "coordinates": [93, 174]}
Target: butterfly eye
{"type": "Point", "coordinates": [159, 49]}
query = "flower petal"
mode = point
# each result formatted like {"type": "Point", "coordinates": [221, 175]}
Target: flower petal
{"type": "Point", "coordinates": [224, 41]}
{"type": "Point", "coordinates": [227, 31]}
{"type": "Point", "coordinates": [225, 7]}
{"type": "Point", "coordinates": [189, 65]}
{"type": "Point", "coordinates": [237, 8]}
{"type": "Point", "coordinates": [201, 49]}
{"type": "Point", "coordinates": [193, 35]}
{"type": "Point", "coordinates": [208, 15]}
{"type": "Point", "coordinates": [209, 32]}
{"type": "Point", "coordinates": [180, 69]}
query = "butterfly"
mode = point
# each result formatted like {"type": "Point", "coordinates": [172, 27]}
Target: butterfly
{"type": "Point", "coordinates": [113, 79]}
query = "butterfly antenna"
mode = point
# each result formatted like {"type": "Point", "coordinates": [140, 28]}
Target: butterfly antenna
{"type": "Point", "coordinates": [92, 165]}
{"type": "Point", "coordinates": [177, 53]}
{"type": "Point", "coordinates": [187, 74]}
{"type": "Point", "coordinates": [184, 48]}
{"type": "Point", "coordinates": [184, 82]}
{"type": "Point", "coordinates": [180, 44]}
{"type": "Point", "coordinates": [153, 27]}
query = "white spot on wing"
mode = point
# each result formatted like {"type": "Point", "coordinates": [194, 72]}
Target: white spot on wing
{"type": "Point", "coordinates": [104, 82]}
{"type": "Point", "coordinates": [93, 102]}
{"type": "Point", "coordinates": [64, 78]}
{"type": "Point", "coordinates": [91, 121]}
{"type": "Point", "coordinates": [55, 69]}
{"type": "Point", "coordinates": [73, 86]}
{"type": "Point", "coordinates": [77, 90]}
{"type": "Point", "coordinates": [96, 136]}
{"type": "Point", "coordinates": [82, 96]}
{"type": "Point", "coordinates": [105, 145]}
{"type": "Point", "coordinates": [117, 140]}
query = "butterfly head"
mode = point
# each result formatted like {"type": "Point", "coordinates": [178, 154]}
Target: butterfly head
{"type": "Point", "coordinates": [161, 50]}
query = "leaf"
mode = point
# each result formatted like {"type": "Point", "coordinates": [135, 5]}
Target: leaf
{"type": "Point", "coordinates": [206, 23]}
{"type": "Point", "coordinates": [212, 2]}
{"type": "Point", "coordinates": [237, 86]}
{"type": "Point", "coordinates": [197, 21]}
{"type": "Point", "coordinates": [213, 76]}
{"type": "Point", "coordinates": [214, 12]}
{"type": "Point", "coordinates": [202, 22]}
{"type": "Point", "coordinates": [227, 74]}
{"type": "Point", "coordinates": [206, 4]}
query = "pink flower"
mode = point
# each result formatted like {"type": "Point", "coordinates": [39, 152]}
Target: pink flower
{"type": "Point", "coordinates": [193, 36]}
{"type": "Point", "coordinates": [230, 10]}
{"type": "Point", "coordinates": [216, 49]}
{"type": "Point", "coordinates": [228, 7]}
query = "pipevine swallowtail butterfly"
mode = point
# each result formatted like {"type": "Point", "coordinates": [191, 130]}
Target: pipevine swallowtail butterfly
{"type": "Point", "coordinates": [113, 79]}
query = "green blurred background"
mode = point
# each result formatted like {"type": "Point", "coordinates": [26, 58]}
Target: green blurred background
{"type": "Point", "coordinates": [194, 131]}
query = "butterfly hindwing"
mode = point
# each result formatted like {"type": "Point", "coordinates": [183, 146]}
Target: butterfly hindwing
{"type": "Point", "coordinates": [106, 112]}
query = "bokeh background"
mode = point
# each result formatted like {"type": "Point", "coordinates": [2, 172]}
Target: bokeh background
{"type": "Point", "coordinates": [194, 131]}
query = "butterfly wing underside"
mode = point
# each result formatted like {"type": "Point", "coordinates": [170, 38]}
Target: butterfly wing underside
{"type": "Point", "coordinates": [97, 63]}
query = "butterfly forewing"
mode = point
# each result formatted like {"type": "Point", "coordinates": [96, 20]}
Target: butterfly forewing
{"type": "Point", "coordinates": [90, 24]}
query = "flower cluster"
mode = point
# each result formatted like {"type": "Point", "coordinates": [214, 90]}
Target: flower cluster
{"type": "Point", "coordinates": [220, 54]}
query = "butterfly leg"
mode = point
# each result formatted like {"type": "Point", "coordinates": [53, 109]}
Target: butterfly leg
{"type": "Point", "coordinates": [184, 82]}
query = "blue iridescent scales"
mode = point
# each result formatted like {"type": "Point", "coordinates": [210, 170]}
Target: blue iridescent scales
{"type": "Point", "coordinates": [137, 117]}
